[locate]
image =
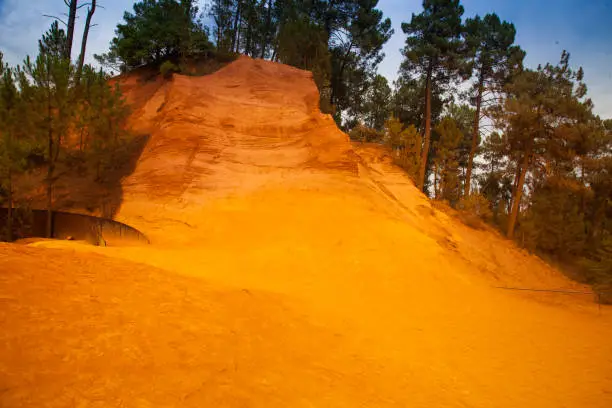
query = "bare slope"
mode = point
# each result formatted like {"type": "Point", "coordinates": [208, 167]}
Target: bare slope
{"type": "Point", "coordinates": [288, 268]}
{"type": "Point", "coordinates": [251, 123]}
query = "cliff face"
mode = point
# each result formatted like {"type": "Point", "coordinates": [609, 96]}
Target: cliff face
{"type": "Point", "coordinates": [247, 121]}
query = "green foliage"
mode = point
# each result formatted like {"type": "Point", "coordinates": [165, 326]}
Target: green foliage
{"type": "Point", "coordinates": [433, 51]}
{"type": "Point", "coordinates": [102, 121]}
{"type": "Point", "coordinates": [11, 153]}
{"type": "Point", "coordinates": [463, 115]}
{"type": "Point", "coordinates": [168, 68]}
{"type": "Point", "coordinates": [554, 223]}
{"type": "Point", "coordinates": [156, 30]}
{"type": "Point", "coordinates": [222, 13]}
{"type": "Point", "coordinates": [302, 44]}
{"type": "Point", "coordinates": [406, 145]}
{"type": "Point", "coordinates": [496, 179]}
{"type": "Point", "coordinates": [356, 48]}
{"type": "Point", "coordinates": [225, 57]}
{"type": "Point", "coordinates": [433, 43]}
{"type": "Point", "coordinates": [54, 42]}
{"type": "Point", "coordinates": [476, 204]}
{"type": "Point", "coordinates": [365, 134]}
{"type": "Point", "coordinates": [377, 104]}
{"type": "Point", "coordinates": [540, 103]}
{"type": "Point", "coordinates": [474, 211]}
{"type": "Point", "coordinates": [49, 115]}
{"type": "Point", "coordinates": [53, 97]}
{"type": "Point", "coordinates": [491, 53]}
{"type": "Point", "coordinates": [598, 270]}
{"type": "Point", "coordinates": [446, 165]}
{"type": "Point", "coordinates": [409, 98]}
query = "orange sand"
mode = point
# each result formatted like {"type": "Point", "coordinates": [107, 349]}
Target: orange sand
{"type": "Point", "coordinates": [288, 269]}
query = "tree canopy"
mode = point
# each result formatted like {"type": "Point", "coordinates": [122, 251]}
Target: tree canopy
{"type": "Point", "coordinates": [57, 115]}
{"type": "Point", "coordinates": [157, 30]}
{"type": "Point", "coordinates": [433, 49]}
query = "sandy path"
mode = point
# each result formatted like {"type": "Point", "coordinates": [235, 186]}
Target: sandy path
{"type": "Point", "coordinates": [331, 312]}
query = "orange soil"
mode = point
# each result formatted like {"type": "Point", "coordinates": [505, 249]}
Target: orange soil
{"type": "Point", "coordinates": [288, 268]}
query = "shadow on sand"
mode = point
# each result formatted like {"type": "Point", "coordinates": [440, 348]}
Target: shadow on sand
{"type": "Point", "coordinates": [84, 204]}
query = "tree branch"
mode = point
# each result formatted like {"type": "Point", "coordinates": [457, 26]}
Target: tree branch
{"type": "Point", "coordinates": [56, 18]}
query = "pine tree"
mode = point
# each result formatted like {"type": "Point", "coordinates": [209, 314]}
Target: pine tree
{"type": "Point", "coordinates": [221, 13]}
{"type": "Point", "coordinates": [52, 74]}
{"type": "Point", "coordinates": [494, 181]}
{"type": "Point", "coordinates": [90, 12]}
{"type": "Point", "coordinates": [103, 114]}
{"type": "Point", "coordinates": [539, 103]}
{"type": "Point", "coordinates": [406, 145]}
{"type": "Point", "coordinates": [377, 104]}
{"type": "Point", "coordinates": [494, 59]}
{"type": "Point", "coordinates": [8, 137]}
{"type": "Point", "coordinates": [355, 39]}
{"type": "Point", "coordinates": [446, 160]}
{"type": "Point", "coordinates": [463, 115]}
{"type": "Point", "coordinates": [408, 101]}
{"type": "Point", "coordinates": [156, 31]}
{"type": "Point", "coordinates": [433, 46]}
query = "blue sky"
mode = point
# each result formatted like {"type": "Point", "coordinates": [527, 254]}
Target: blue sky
{"type": "Point", "coordinates": [544, 29]}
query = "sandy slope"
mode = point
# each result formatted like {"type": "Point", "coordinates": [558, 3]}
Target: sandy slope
{"type": "Point", "coordinates": [288, 268]}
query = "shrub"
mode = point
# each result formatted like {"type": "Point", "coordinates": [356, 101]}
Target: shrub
{"type": "Point", "coordinates": [406, 145]}
{"type": "Point", "coordinates": [226, 57]}
{"type": "Point", "coordinates": [476, 204]}
{"type": "Point", "coordinates": [473, 210]}
{"type": "Point", "coordinates": [168, 68]}
{"type": "Point", "coordinates": [365, 134]}
{"type": "Point", "coordinates": [597, 271]}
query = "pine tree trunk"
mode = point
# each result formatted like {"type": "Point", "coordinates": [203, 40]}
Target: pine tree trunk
{"type": "Point", "coordinates": [436, 181]}
{"type": "Point", "coordinates": [475, 134]}
{"type": "Point", "coordinates": [9, 221]}
{"type": "Point", "coordinates": [338, 79]}
{"type": "Point", "coordinates": [72, 10]}
{"type": "Point", "coordinates": [518, 192]}
{"type": "Point", "coordinates": [90, 13]}
{"type": "Point", "coordinates": [247, 47]}
{"type": "Point", "coordinates": [266, 36]}
{"type": "Point", "coordinates": [597, 223]}
{"type": "Point", "coordinates": [50, 170]}
{"type": "Point", "coordinates": [249, 32]}
{"type": "Point", "coordinates": [236, 37]}
{"type": "Point", "coordinates": [427, 135]}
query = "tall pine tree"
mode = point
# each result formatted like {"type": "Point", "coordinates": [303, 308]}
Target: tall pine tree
{"type": "Point", "coordinates": [433, 50]}
{"type": "Point", "coordinates": [494, 59]}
